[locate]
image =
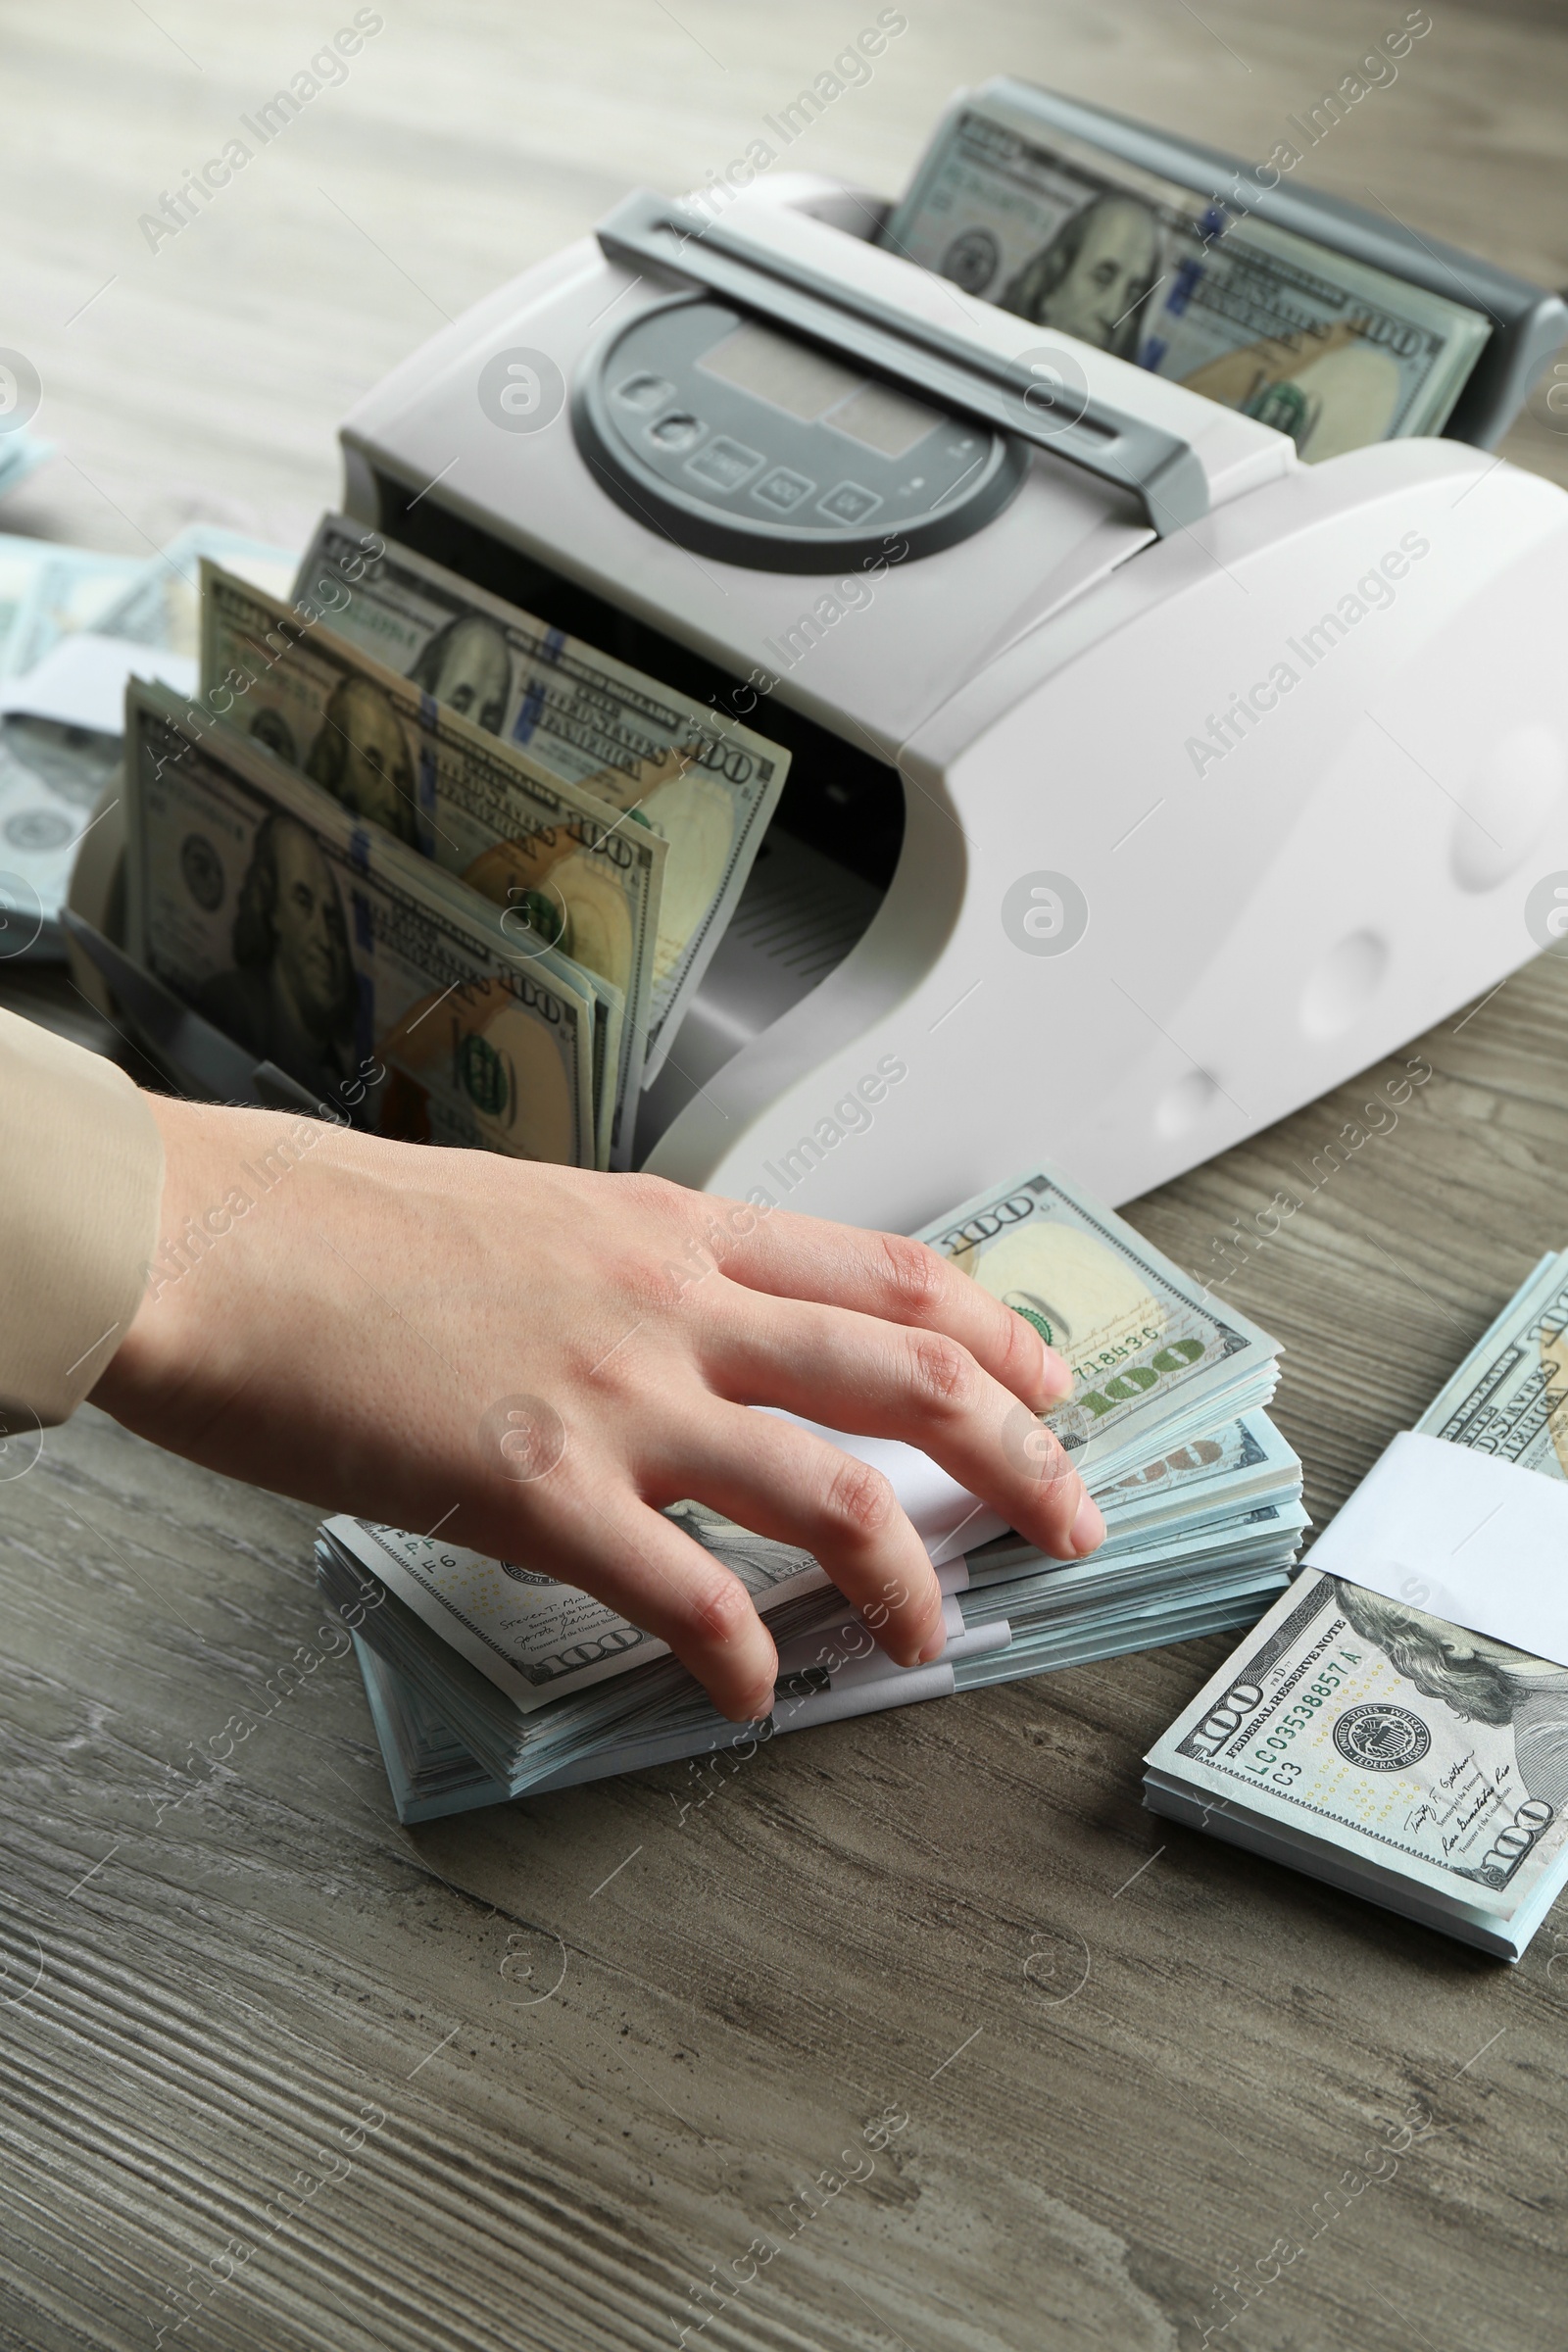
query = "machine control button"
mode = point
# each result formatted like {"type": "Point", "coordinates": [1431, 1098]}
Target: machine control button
{"type": "Point", "coordinates": [849, 503]}
{"type": "Point", "coordinates": [728, 465]}
{"type": "Point", "coordinates": [782, 490]}
{"type": "Point", "coordinates": [678, 430]}
{"type": "Point", "coordinates": [645, 391]}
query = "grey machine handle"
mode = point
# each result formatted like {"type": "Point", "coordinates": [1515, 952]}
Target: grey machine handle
{"type": "Point", "coordinates": [1160, 470]}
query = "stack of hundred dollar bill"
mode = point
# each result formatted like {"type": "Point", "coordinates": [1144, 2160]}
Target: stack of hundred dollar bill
{"type": "Point", "coordinates": [1394, 1754]}
{"type": "Point", "coordinates": [487, 1679]}
{"type": "Point", "coordinates": [1019, 204]}
{"type": "Point", "coordinates": [454, 873]}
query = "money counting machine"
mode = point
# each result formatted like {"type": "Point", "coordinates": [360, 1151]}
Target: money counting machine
{"type": "Point", "coordinates": [1147, 781]}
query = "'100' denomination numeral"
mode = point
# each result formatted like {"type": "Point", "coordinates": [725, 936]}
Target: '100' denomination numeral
{"type": "Point", "coordinates": [1238, 1701]}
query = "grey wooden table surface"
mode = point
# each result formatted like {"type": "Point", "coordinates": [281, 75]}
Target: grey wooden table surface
{"type": "Point", "coordinates": [577, 2059]}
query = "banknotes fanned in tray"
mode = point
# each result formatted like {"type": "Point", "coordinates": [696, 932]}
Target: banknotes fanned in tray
{"type": "Point", "coordinates": [456, 875]}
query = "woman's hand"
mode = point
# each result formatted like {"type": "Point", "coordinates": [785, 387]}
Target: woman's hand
{"type": "Point", "coordinates": [536, 1359]}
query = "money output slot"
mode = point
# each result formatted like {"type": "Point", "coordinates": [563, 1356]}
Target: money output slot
{"type": "Point", "coordinates": [825, 864]}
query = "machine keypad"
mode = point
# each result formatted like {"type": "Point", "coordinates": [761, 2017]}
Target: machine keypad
{"type": "Point", "coordinates": [762, 447]}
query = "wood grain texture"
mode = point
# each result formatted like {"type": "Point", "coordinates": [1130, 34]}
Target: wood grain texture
{"type": "Point", "coordinates": [610, 2044]}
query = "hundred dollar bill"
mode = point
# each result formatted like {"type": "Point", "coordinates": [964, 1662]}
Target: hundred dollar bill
{"type": "Point", "coordinates": [21, 561]}
{"type": "Point", "coordinates": [1325, 348]}
{"type": "Point", "coordinates": [1394, 1753]}
{"type": "Point", "coordinates": [539, 1641]}
{"type": "Point", "coordinates": [1245, 1456]}
{"type": "Point", "coordinates": [706, 787]}
{"type": "Point", "coordinates": [332, 951]}
{"type": "Point", "coordinates": [571, 872]}
{"type": "Point", "coordinates": [1238, 1466]}
{"type": "Point", "coordinates": [39, 830]}
{"type": "Point", "coordinates": [1510, 1395]}
{"type": "Point", "coordinates": [1148, 1349]}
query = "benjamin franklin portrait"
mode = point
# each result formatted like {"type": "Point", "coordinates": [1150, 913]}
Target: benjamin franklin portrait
{"type": "Point", "coordinates": [1481, 1680]}
{"type": "Point", "coordinates": [1094, 276]}
{"type": "Point", "coordinates": [361, 756]}
{"type": "Point", "coordinates": [290, 998]}
{"type": "Point", "coordinates": [467, 665]}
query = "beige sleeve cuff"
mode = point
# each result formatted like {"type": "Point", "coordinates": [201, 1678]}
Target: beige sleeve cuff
{"type": "Point", "coordinates": [81, 1177]}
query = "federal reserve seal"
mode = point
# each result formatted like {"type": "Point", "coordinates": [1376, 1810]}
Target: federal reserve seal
{"type": "Point", "coordinates": [1381, 1737]}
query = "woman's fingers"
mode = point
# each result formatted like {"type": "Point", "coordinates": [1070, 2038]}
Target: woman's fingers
{"type": "Point", "coordinates": [783, 1481]}
{"type": "Point", "coordinates": [898, 1281]}
{"type": "Point", "coordinates": [884, 1381]}
{"type": "Point", "coordinates": [636, 1561]}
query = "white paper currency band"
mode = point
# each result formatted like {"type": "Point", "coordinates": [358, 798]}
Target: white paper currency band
{"type": "Point", "coordinates": [947, 1518]}
{"type": "Point", "coordinates": [1459, 1535]}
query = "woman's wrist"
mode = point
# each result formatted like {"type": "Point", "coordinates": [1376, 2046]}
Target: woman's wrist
{"type": "Point", "coordinates": [222, 1167]}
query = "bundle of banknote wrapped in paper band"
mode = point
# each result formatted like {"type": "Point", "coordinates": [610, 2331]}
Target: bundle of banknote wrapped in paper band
{"type": "Point", "coordinates": [1394, 1753]}
{"type": "Point", "coordinates": [1188, 283]}
{"type": "Point", "coordinates": [486, 1679]}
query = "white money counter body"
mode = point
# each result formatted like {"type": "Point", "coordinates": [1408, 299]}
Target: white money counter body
{"type": "Point", "coordinates": [1146, 782]}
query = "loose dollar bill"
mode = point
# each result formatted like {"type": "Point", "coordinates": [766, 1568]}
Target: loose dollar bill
{"type": "Point", "coordinates": [1149, 1347]}
{"type": "Point", "coordinates": [162, 608]}
{"type": "Point", "coordinates": [707, 787]}
{"type": "Point", "coordinates": [49, 592]}
{"type": "Point", "coordinates": [1389, 1750]}
{"type": "Point", "coordinates": [324, 946]}
{"type": "Point", "coordinates": [537, 1683]}
{"type": "Point", "coordinates": [1328, 349]}
{"type": "Point", "coordinates": [39, 830]}
{"type": "Point", "coordinates": [569, 872]}
{"type": "Point", "coordinates": [52, 771]}
{"type": "Point", "coordinates": [23, 563]}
